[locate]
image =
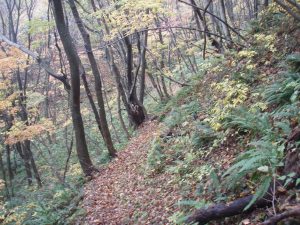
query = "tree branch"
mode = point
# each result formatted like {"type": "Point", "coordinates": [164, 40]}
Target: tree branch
{"type": "Point", "coordinates": [166, 28]}
{"type": "Point", "coordinates": [230, 27]}
{"type": "Point", "coordinates": [288, 9]}
{"type": "Point", "coordinates": [42, 62]}
{"type": "Point", "coordinates": [295, 212]}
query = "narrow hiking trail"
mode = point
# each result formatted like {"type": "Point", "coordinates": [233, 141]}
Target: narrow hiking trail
{"type": "Point", "coordinates": [123, 192]}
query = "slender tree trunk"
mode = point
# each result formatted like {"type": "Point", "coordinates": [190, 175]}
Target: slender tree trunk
{"type": "Point", "coordinates": [266, 3]}
{"type": "Point", "coordinates": [10, 170]}
{"type": "Point", "coordinates": [4, 176]}
{"type": "Point", "coordinates": [255, 8]}
{"type": "Point", "coordinates": [30, 162]}
{"type": "Point", "coordinates": [26, 161]}
{"type": "Point", "coordinates": [224, 26]}
{"type": "Point", "coordinates": [98, 84]}
{"type": "Point", "coordinates": [121, 117]}
{"type": "Point", "coordinates": [162, 64]}
{"type": "Point", "coordinates": [143, 70]}
{"type": "Point", "coordinates": [91, 100]}
{"type": "Point", "coordinates": [28, 151]}
{"type": "Point", "coordinates": [136, 111]}
{"type": "Point", "coordinates": [229, 8]}
{"type": "Point", "coordinates": [154, 84]}
{"type": "Point", "coordinates": [74, 62]}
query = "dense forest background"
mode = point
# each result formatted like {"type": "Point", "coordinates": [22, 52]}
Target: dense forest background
{"type": "Point", "coordinates": [149, 112]}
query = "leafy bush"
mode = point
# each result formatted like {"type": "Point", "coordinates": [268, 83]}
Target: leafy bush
{"type": "Point", "coordinates": [179, 115]}
{"type": "Point", "coordinates": [229, 94]}
{"type": "Point", "coordinates": [174, 118]}
{"type": "Point", "coordinates": [156, 157]}
{"type": "Point", "coordinates": [203, 136]}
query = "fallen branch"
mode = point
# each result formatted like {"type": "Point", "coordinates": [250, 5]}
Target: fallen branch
{"type": "Point", "coordinates": [295, 212]}
{"type": "Point", "coordinates": [219, 211]}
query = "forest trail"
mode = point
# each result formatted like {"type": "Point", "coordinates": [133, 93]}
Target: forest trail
{"type": "Point", "coordinates": [123, 193]}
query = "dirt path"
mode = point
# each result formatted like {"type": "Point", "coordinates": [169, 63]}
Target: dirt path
{"type": "Point", "coordinates": [123, 193]}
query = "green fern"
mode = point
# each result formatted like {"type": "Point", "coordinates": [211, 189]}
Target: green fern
{"type": "Point", "coordinates": [241, 118]}
{"type": "Point", "coordinates": [285, 90]}
{"type": "Point", "coordinates": [202, 136]}
{"type": "Point", "coordinates": [263, 154]}
{"type": "Point", "coordinates": [287, 111]}
{"type": "Point", "coordinates": [294, 62]}
{"type": "Point", "coordinates": [192, 203]}
{"type": "Point", "coordinates": [260, 192]}
{"type": "Point", "coordinates": [156, 157]}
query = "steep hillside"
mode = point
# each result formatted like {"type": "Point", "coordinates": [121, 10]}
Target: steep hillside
{"type": "Point", "coordinates": [231, 137]}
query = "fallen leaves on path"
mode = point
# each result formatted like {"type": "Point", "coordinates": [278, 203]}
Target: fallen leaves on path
{"type": "Point", "coordinates": [123, 194]}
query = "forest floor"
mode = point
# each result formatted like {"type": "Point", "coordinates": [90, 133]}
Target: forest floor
{"type": "Point", "coordinates": [123, 193]}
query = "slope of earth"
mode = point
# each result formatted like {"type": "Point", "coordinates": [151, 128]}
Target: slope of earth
{"type": "Point", "coordinates": [122, 193]}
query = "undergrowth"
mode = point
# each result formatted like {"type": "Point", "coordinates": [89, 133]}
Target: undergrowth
{"type": "Point", "coordinates": [226, 134]}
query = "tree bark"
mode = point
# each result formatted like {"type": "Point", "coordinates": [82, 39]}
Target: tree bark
{"type": "Point", "coordinates": [143, 70]}
{"type": "Point", "coordinates": [136, 110]}
{"type": "Point", "coordinates": [219, 211]}
{"type": "Point", "coordinates": [98, 84]}
{"type": "Point", "coordinates": [74, 62]}
{"type": "Point", "coordinates": [224, 26]}
{"type": "Point", "coordinates": [288, 9]}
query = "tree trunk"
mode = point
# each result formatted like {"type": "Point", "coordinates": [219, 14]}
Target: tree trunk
{"type": "Point", "coordinates": [255, 8]}
{"type": "Point", "coordinates": [121, 117]}
{"type": "Point", "coordinates": [98, 84]}
{"type": "Point", "coordinates": [162, 65]}
{"type": "Point", "coordinates": [4, 176]}
{"type": "Point", "coordinates": [143, 70]}
{"type": "Point", "coordinates": [266, 3]}
{"type": "Point", "coordinates": [136, 110]}
{"type": "Point", "coordinates": [74, 62]}
{"type": "Point", "coordinates": [26, 160]}
{"type": "Point", "coordinates": [10, 170]}
{"type": "Point", "coordinates": [224, 26]}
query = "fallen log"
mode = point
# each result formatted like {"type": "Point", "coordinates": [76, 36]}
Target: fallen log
{"type": "Point", "coordinates": [219, 211]}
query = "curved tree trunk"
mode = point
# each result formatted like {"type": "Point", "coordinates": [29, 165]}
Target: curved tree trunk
{"type": "Point", "coordinates": [74, 62]}
{"type": "Point", "coordinates": [98, 84]}
{"type": "Point", "coordinates": [136, 110]}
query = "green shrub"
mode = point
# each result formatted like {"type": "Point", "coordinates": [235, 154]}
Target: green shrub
{"type": "Point", "coordinates": [156, 157]}
{"type": "Point", "coordinates": [203, 136]}
{"type": "Point", "coordinates": [174, 118]}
